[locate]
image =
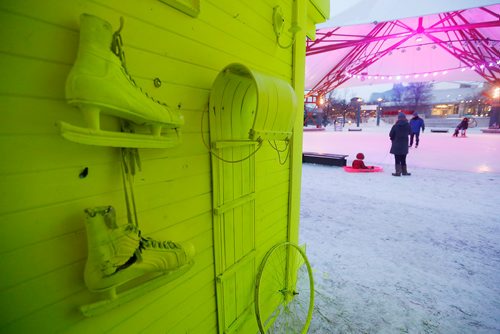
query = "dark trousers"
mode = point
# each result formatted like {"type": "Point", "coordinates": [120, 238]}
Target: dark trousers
{"type": "Point", "coordinates": [400, 159]}
{"type": "Point", "coordinates": [416, 135]}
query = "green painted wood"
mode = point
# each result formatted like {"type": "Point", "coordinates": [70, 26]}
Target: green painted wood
{"type": "Point", "coordinates": [62, 317]}
{"type": "Point", "coordinates": [183, 318]}
{"type": "Point", "coordinates": [159, 309]}
{"type": "Point", "coordinates": [43, 258]}
{"type": "Point", "coordinates": [41, 211]}
{"type": "Point", "coordinates": [234, 204]}
{"type": "Point", "coordinates": [137, 312]}
{"type": "Point", "coordinates": [193, 323]}
{"type": "Point", "coordinates": [42, 156]}
{"type": "Point", "coordinates": [27, 297]}
{"type": "Point", "coordinates": [19, 78]}
{"type": "Point", "coordinates": [65, 185]}
{"type": "Point", "coordinates": [65, 219]}
{"type": "Point", "coordinates": [207, 28]}
{"type": "Point", "coordinates": [34, 38]}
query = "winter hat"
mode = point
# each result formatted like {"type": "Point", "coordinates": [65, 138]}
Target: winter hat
{"type": "Point", "coordinates": [360, 156]}
{"type": "Point", "coordinates": [401, 115]}
{"type": "Point", "coordinates": [415, 114]}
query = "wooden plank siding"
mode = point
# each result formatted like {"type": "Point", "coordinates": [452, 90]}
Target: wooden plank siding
{"type": "Point", "coordinates": [42, 196]}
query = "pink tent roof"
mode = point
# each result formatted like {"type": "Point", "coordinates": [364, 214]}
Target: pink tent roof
{"type": "Point", "coordinates": [455, 46]}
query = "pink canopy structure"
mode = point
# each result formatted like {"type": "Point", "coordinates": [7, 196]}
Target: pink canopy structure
{"type": "Point", "coordinates": [460, 45]}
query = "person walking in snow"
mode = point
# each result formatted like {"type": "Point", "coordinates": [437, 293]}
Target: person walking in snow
{"type": "Point", "coordinates": [463, 125]}
{"type": "Point", "coordinates": [416, 123]}
{"type": "Point", "coordinates": [399, 137]}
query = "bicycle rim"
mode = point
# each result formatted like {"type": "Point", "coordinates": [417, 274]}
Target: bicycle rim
{"type": "Point", "coordinates": [284, 293]}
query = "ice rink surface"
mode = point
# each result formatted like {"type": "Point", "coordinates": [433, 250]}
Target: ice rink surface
{"type": "Point", "coordinates": [415, 254]}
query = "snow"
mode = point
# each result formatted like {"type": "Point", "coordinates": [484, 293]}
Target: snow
{"type": "Point", "coordinates": [413, 254]}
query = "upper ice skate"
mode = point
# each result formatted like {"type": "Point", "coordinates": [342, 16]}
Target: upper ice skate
{"type": "Point", "coordinates": [99, 82]}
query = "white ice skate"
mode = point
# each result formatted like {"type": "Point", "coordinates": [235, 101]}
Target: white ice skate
{"type": "Point", "coordinates": [120, 258]}
{"type": "Point", "coordinates": [99, 82]}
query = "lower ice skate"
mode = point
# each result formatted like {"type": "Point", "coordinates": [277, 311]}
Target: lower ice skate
{"type": "Point", "coordinates": [100, 83]}
{"type": "Point", "coordinates": [121, 255]}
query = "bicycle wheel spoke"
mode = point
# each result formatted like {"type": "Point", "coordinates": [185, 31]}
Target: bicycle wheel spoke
{"type": "Point", "coordinates": [284, 294]}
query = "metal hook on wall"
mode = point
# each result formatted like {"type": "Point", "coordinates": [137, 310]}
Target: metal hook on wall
{"type": "Point", "coordinates": [279, 24]}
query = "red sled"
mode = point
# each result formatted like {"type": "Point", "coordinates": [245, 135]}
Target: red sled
{"type": "Point", "coordinates": [349, 169]}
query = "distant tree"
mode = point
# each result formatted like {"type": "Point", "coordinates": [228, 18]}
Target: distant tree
{"type": "Point", "coordinates": [477, 102]}
{"type": "Point", "coordinates": [397, 93]}
{"type": "Point", "coordinates": [337, 105]}
{"type": "Point", "coordinates": [418, 93]}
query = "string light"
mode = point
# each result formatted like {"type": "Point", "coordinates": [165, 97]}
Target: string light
{"type": "Point", "coordinates": [398, 77]}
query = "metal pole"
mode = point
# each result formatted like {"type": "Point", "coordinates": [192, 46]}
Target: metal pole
{"type": "Point", "coordinates": [358, 114]}
{"type": "Point", "coordinates": [378, 114]}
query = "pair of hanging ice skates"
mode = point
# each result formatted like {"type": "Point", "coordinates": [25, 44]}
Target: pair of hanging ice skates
{"type": "Point", "coordinates": [99, 82]}
{"type": "Point", "coordinates": [120, 255]}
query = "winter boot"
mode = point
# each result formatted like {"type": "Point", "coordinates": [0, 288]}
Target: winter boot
{"type": "Point", "coordinates": [398, 171]}
{"type": "Point", "coordinates": [405, 171]}
{"type": "Point", "coordinates": [117, 255]}
{"type": "Point", "coordinates": [99, 81]}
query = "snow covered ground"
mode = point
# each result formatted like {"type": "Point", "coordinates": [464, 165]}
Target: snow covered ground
{"type": "Point", "coordinates": [417, 254]}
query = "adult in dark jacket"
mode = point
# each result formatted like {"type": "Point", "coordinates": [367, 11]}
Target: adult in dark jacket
{"type": "Point", "coordinates": [399, 137]}
{"type": "Point", "coordinates": [416, 123]}
{"type": "Point", "coordinates": [463, 125]}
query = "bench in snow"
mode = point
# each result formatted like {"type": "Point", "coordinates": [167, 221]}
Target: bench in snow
{"type": "Point", "coordinates": [490, 130]}
{"type": "Point", "coordinates": [325, 158]}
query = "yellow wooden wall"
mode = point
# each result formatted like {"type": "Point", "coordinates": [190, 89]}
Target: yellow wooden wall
{"type": "Point", "coordinates": [42, 197]}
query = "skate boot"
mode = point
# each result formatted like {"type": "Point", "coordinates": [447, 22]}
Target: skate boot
{"type": "Point", "coordinates": [405, 171]}
{"type": "Point", "coordinates": [99, 82]}
{"type": "Point", "coordinates": [117, 255]}
{"type": "Point", "coordinates": [398, 171]}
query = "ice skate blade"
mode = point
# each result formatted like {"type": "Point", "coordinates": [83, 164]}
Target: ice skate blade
{"type": "Point", "coordinates": [117, 299]}
{"type": "Point", "coordinates": [117, 139]}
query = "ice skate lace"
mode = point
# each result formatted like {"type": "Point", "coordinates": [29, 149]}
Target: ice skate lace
{"type": "Point", "coordinates": [117, 49]}
{"type": "Point", "coordinates": [144, 243]}
{"type": "Point", "coordinates": [148, 242]}
{"type": "Point", "coordinates": [152, 243]}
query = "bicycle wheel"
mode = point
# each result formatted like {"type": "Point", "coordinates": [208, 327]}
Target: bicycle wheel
{"type": "Point", "coordinates": [472, 122]}
{"type": "Point", "coordinates": [284, 291]}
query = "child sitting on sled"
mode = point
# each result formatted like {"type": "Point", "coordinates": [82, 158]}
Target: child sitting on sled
{"type": "Point", "coordinates": [359, 164]}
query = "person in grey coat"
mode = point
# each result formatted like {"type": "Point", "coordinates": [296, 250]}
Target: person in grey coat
{"type": "Point", "coordinates": [399, 137]}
